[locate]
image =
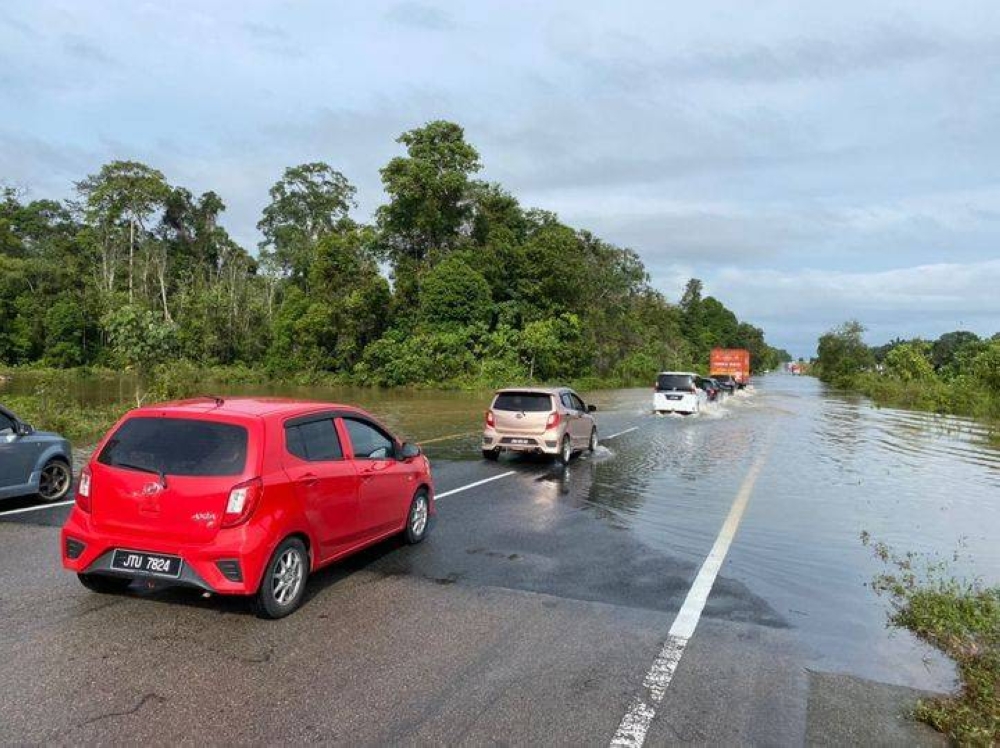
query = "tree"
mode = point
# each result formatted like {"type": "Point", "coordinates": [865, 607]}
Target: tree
{"type": "Point", "coordinates": [945, 348]}
{"type": "Point", "coordinates": [139, 341]}
{"type": "Point", "coordinates": [429, 200]}
{"type": "Point", "coordinates": [910, 362]}
{"type": "Point", "coordinates": [452, 293]}
{"type": "Point", "coordinates": [119, 201]}
{"type": "Point", "coordinates": [842, 353]}
{"type": "Point", "coordinates": [309, 202]}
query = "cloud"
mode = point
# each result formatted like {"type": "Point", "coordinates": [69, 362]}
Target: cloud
{"type": "Point", "coordinates": [419, 16]}
{"type": "Point", "coordinates": [922, 300]}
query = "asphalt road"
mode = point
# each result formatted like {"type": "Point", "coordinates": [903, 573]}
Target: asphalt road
{"type": "Point", "coordinates": [533, 614]}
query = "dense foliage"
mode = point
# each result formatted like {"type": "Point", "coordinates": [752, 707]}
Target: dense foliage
{"type": "Point", "coordinates": [453, 282]}
{"type": "Point", "coordinates": [957, 373]}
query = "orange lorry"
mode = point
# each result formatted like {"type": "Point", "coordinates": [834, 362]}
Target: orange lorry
{"type": "Point", "coordinates": [734, 362]}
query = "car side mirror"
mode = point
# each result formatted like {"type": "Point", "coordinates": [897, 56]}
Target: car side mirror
{"type": "Point", "coordinates": [25, 429]}
{"type": "Point", "coordinates": [591, 408]}
{"type": "Point", "coordinates": [408, 451]}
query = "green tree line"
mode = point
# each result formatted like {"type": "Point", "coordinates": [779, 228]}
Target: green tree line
{"type": "Point", "coordinates": [452, 282]}
{"type": "Point", "coordinates": [958, 372]}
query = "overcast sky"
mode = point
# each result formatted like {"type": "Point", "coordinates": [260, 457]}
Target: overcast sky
{"type": "Point", "coordinates": [810, 164]}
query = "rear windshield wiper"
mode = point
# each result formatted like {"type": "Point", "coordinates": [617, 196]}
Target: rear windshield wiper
{"type": "Point", "coordinates": [144, 469]}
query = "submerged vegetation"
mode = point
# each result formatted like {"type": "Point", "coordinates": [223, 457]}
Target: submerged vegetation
{"type": "Point", "coordinates": [137, 274]}
{"type": "Point", "coordinates": [962, 620]}
{"type": "Point", "coordinates": [959, 373]}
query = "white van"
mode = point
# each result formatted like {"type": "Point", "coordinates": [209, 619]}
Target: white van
{"type": "Point", "coordinates": [678, 392]}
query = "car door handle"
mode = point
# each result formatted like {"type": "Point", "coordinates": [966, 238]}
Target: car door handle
{"type": "Point", "coordinates": [309, 479]}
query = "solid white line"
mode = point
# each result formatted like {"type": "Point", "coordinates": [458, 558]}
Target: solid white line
{"type": "Point", "coordinates": [473, 485]}
{"type": "Point", "coordinates": [621, 433]}
{"type": "Point", "coordinates": [635, 724]}
{"type": "Point", "coordinates": [439, 496]}
{"type": "Point", "coordinates": [36, 508]}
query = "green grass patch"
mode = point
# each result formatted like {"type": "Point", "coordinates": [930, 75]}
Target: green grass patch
{"type": "Point", "coordinates": [79, 424]}
{"type": "Point", "coordinates": [961, 619]}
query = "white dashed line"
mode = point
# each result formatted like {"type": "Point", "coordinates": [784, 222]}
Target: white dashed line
{"type": "Point", "coordinates": [635, 724]}
{"type": "Point", "coordinates": [473, 485]}
{"type": "Point", "coordinates": [35, 508]}
{"type": "Point", "coordinates": [621, 433]}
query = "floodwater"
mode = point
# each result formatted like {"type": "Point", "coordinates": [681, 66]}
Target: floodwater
{"type": "Point", "coordinates": [832, 467]}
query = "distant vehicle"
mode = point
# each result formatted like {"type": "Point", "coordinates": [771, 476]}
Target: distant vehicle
{"type": "Point", "coordinates": [33, 462]}
{"type": "Point", "coordinates": [553, 421]}
{"type": "Point", "coordinates": [242, 496]}
{"type": "Point", "coordinates": [726, 383]}
{"type": "Point", "coordinates": [677, 392]}
{"type": "Point", "coordinates": [710, 387]}
{"type": "Point", "coordinates": [734, 362]}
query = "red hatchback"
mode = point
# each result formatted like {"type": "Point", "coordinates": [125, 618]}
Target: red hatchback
{"type": "Point", "coordinates": [241, 496]}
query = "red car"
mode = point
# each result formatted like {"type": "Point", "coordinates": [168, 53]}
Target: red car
{"type": "Point", "coordinates": [241, 496]}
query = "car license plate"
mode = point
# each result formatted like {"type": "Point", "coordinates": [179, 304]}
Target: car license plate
{"type": "Point", "coordinates": [673, 397]}
{"type": "Point", "coordinates": [520, 441]}
{"type": "Point", "coordinates": [146, 563]}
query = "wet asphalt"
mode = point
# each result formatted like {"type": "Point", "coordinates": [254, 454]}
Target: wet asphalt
{"type": "Point", "coordinates": [529, 616]}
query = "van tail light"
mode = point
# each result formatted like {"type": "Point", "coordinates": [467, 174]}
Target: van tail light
{"type": "Point", "coordinates": [490, 420]}
{"type": "Point", "coordinates": [83, 491]}
{"type": "Point", "coordinates": [553, 420]}
{"type": "Point", "coordinates": [243, 499]}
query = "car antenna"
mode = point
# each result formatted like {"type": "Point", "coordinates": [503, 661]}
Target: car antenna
{"type": "Point", "coordinates": [219, 402]}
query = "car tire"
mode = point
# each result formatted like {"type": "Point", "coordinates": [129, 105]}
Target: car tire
{"type": "Point", "coordinates": [55, 481]}
{"type": "Point", "coordinates": [104, 584]}
{"type": "Point", "coordinates": [565, 451]}
{"type": "Point", "coordinates": [491, 454]}
{"type": "Point", "coordinates": [592, 445]}
{"type": "Point", "coordinates": [418, 519]}
{"type": "Point", "coordinates": [284, 583]}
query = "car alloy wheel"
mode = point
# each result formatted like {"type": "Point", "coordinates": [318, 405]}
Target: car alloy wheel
{"type": "Point", "coordinates": [288, 575]}
{"type": "Point", "coordinates": [418, 520]}
{"type": "Point", "coordinates": [566, 452]}
{"type": "Point", "coordinates": [54, 481]}
{"type": "Point", "coordinates": [593, 441]}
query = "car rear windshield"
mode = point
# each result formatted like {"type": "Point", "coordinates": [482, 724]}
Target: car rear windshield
{"type": "Point", "coordinates": [674, 382]}
{"type": "Point", "coordinates": [527, 402]}
{"type": "Point", "coordinates": [177, 446]}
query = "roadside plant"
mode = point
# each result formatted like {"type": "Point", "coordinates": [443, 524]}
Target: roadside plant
{"type": "Point", "coordinates": [961, 618]}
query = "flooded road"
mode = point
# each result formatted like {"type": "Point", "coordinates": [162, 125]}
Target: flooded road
{"type": "Point", "coordinates": [543, 596]}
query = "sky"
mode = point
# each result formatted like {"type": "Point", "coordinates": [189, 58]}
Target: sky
{"type": "Point", "coordinates": [810, 162]}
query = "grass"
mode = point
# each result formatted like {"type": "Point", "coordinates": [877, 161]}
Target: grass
{"type": "Point", "coordinates": [961, 619]}
{"type": "Point", "coordinates": [79, 424]}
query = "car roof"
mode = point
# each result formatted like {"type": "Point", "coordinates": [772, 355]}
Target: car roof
{"type": "Point", "coordinates": [678, 373]}
{"type": "Point", "coordinates": [254, 407]}
{"type": "Point", "coordinates": [534, 390]}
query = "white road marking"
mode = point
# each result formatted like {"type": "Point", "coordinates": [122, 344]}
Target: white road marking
{"type": "Point", "coordinates": [621, 433]}
{"type": "Point", "coordinates": [35, 508]}
{"type": "Point", "coordinates": [635, 724]}
{"type": "Point", "coordinates": [473, 485]}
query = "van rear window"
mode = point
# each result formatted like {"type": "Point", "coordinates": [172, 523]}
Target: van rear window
{"type": "Point", "coordinates": [527, 402]}
{"type": "Point", "coordinates": [666, 382]}
{"type": "Point", "coordinates": [177, 446]}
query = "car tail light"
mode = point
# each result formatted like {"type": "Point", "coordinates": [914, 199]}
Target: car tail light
{"type": "Point", "coordinates": [83, 491]}
{"type": "Point", "coordinates": [242, 501]}
{"type": "Point", "coordinates": [490, 420]}
{"type": "Point", "coordinates": [553, 420]}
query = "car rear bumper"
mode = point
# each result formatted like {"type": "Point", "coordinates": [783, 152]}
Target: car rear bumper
{"type": "Point", "coordinates": [232, 563]}
{"type": "Point", "coordinates": [686, 403]}
{"type": "Point", "coordinates": [547, 443]}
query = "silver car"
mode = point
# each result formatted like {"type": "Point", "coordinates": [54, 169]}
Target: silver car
{"type": "Point", "coordinates": [32, 462]}
{"type": "Point", "coordinates": [544, 420]}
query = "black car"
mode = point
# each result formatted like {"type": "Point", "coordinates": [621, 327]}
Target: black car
{"type": "Point", "coordinates": [710, 387]}
{"type": "Point", "coordinates": [726, 382]}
